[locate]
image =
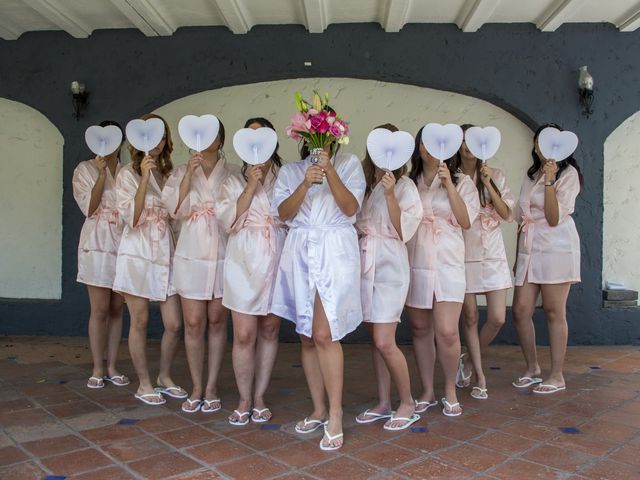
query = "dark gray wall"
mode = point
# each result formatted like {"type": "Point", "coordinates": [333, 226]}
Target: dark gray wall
{"type": "Point", "coordinates": [529, 73]}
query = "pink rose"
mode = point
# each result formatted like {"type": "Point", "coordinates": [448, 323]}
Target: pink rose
{"type": "Point", "coordinates": [317, 120]}
{"type": "Point", "coordinates": [299, 122]}
{"type": "Point", "coordinates": [323, 127]}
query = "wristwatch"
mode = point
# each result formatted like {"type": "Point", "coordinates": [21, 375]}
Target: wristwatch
{"type": "Point", "coordinates": [549, 183]}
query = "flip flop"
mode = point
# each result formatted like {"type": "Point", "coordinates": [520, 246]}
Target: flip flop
{"type": "Point", "coordinates": [182, 393]}
{"type": "Point", "coordinates": [260, 411]}
{"type": "Point", "coordinates": [206, 405]}
{"type": "Point", "coordinates": [331, 438]}
{"type": "Point", "coordinates": [99, 382]}
{"type": "Point", "coordinates": [306, 421]}
{"type": "Point", "coordinates": [428, 403]}
{"type": "Point", "coordinates": [144, 396]}
{"type": "Point", "coordinates": [240, 422]}
{"type": "Point", "coordinates": [529, 381]}
{"type": "Point", "coordinates": [481, 395]}
{"type": "Point", "coordinates": [117, 380]}
{"type": "Point", "coordinates": [189, 402]}
{"type": "Point", "coordinates": [552, 389]}
{"type": "Point", "coordinates": [450, 406]}
{"type": "Point", "coordinates": [374, 416]}
{"type": "Point", "coordinates": [461, 380]}
{"type": "Point", "coordinates": [408, 422]}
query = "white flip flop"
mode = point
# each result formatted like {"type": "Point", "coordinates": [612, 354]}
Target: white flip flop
{"type": "Point", "coordinates": [481, 395]}
{"type": "Point", "coordinates": [460, 378]}
{"type": "Point", "coordinates": [206, 404]}
{"type": "Point", "coordinates": [99, 382]}
{"type": "Point", "coordinates": [374, 416]}
{"type": "Point", "coordinates": [552, 389]}
{"type": "Point", "coordinates": [529, 381]}
{"type": "Point", "coordinates": [260, 411]}
{"type": "Point", "coordinates": [409, 421]}
{"type": "Point", "coordinates": [331, 438]}
{"type": "Point", "coordinates": [117, 380]}
{"type": "Point", "coordinates": [169, 391]}
{"type": "Point", "coordinates": [240, 422]}
{"type": "Point", "coordinates": [306, 421]}
{"type": "Point", "coordinates": [446, 405]}
{"type": "Point", "coordinates": [144, 396]}
{"type": "Point", "coordinates": [198, 403]}
{"type": "Point", "coordinates": [428, 403]}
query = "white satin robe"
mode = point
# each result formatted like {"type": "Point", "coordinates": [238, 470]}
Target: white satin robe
{"type": "Point", "coordinates": [254, 246]}
{"type": "Point", "coordinates": [143, 267]}
{"type": "Point", "coordinates": [198, 262]}
{"type": "Point", "coordinates": [321, 252]}
{"type": "Point", "coordinates": [436, 251]}
{"type": "Point", "coordinates": [546, 254]}
{"type": "Point", "coordinates": [486, 265]}
{"type": "Point", "coordinates": [383, 254]}
{"type": "Point", "coordinates": [102, 230]}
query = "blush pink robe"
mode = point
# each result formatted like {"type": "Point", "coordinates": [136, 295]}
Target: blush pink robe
{"type": "Point", "coordinates": [102, 230]}
{"type": "Point", "coordinates": [253, 249]}
{"type": "Point", "coordinates": [546, 254]}
{"type": "Point", "coordinates": [143, 267]}
{"type": "Point", "coordinates": [198, 262]}
{"type": "Point", "coordinates": [486, 263]}
{"type": "Point", "coordinates": [436, 251]}
{"type": "Point", "coordinates": [383, 255]}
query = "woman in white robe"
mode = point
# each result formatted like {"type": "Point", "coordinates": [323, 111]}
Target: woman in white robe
{"type": "Point", "coordinates": [94, 183]}
{"type": "Point", "coordinates": [389, 218]}
{"type": "Point", "coordinates": [143, 267]}
{"type": "Point", "coordinates": [256, 237]}
{"type": "Point", "coordinates": [190, 196]}
{"type": "Point", "coordinates": [436, 255]}
{"type": "Point", "coordinates": [318, 274]}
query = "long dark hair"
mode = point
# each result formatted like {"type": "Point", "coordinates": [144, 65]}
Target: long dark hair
{"type": "Point", "coordinates": [562, 166]}
{"type": "Point", "coordinates": [417, 166]}
{"type": "Point", "coordinates": [457, 164]}
{"type": "Point", "coordinates": [276, 161]}
{"type": "Point", "coordinates": [106, 123]}
{"type": "Point", "coordinates": [369, 168]}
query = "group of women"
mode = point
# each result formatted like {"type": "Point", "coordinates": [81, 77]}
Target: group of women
{"type": "Point", "coordinates": [296, 241]}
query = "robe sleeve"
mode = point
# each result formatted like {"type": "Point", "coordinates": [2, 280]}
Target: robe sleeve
{"type": "Point", "coordinates": [353, 179]}
{"type": "Point", "coordinates": [126, 188]}
{"type": "Point", "coordinates": [83, 183]}
{"type": "Point", "coordinates": [171, 195]}
{"type": "Point", "coordinates": [500, 180]}
{"type": "Point", "coordinates": [281, 190]}
{"type": "Point", "coordinates": [567, 189]}
{"type": "Point", "coordinates": [227, 202]}
{"type": "Point", "coordinates": [469, 194]}
{"type": "Point", "coordinates": [410, 208]}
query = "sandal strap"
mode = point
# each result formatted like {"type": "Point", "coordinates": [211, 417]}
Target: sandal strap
{"type": "Point", "coordinates": [97, 379]}
{"type": "Point", "coordinates": [260, 411]}
{"type": "Point", "coordinates": [149, 395]}
{"type": "Point", "coordinates": [330, 437]}
{"type": "Point", "coordinates": [450, 406]}
{"type": "Point", "coordinates": [309, 422]}
{"type": "Point", "coordinates": [215, 400]}
{"type": "Point", "coordinates": [241, 414]}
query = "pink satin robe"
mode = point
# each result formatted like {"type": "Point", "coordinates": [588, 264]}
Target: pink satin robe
{"type": "Point", "coordinates": [321, 252]}
{"type": "Point", "coordinates": [383, 254]}
{"type": "Point", "coordinates": [436, 251]}
{"type": "Point", "coordinates": [143, 267]}
{"type": "Point", "coordinates": [253, 249]}
{"type": "Point", "coordinates": [102, 230]}
{"type": "Point", "coordinates": [198, 262]}
{"type": "Point", "coordinates": [486, 263]}
{"type": "Point", "coordinates": [546, 254]}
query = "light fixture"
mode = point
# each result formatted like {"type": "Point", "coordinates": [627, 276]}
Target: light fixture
{"type": "Point", "coordinates": [585, 90]}
{"type": "Point", "coordinates": [80, 98]}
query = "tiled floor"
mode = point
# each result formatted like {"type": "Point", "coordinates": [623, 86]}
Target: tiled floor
{"type": "Point", "coordinates": [54, 427]}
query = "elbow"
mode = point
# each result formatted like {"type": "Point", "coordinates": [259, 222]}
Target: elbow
{"type": "Point", "coordinates": [465, 225]}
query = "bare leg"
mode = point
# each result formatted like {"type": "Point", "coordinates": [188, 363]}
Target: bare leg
{"type": "Point", "coordinates": [496, 313]}
{"type": "Point", "coordinates": [266, 352]}
{"type": "Point", "coordinates": [424, 349]}
{"type": "Point", "coordinates": [383, 381]}
{"type": "Point", "coordinates": [312, 373]}
{"type": "Point", "coordinates": [445, 319]}
{"type": "Point", "coordinates": [245, 331]}
{"type": "Point", "coordinates": [217, 333]}
{"type": "Point", "coordinates": [99, 299]}
{"type": "Point", "coordinates": [524, 304]}
{"type": "Point", "coordinates": [172, 322]}
{"type": "Point", "coordinates": [115, 333]}
{"type": "Point", "coordinates": [331, 361]}
{"type": "Point", "coordinates": [554, 302]}
{"type": "Point", "coordinates": [195, 324]}
{"type": "Point", "coordinates": [472, 340]}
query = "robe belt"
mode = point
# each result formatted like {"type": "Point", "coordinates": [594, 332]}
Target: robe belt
{"type": "Point", "coordinates": [157, 218]}
{"type": "Point", "coordinates": [488, 224]}
{"type": "Point", "coordinates": [110, 215]}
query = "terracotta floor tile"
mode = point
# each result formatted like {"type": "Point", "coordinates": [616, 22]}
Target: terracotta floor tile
{"type": "Point", "coordinates": [609, 470]}
{"type": "Point", "coordinates": [560, 458]}
{"type": "Point", "coordinates": [435, 469]}
{"type": "Point", "coordinates": [301, 476]}
{"type": "Point", "coordinates": [162, 423]}
{"type": "Point", "coordinates": [9, 455]}
{"type": "Point", "coordinates": [531, 430]}
{"type": "Point", "coordinates": [457, 430]}
{"type": "Point", "coordinates": [109, 473]}
{"type": "Point", "coordinates": [33, 416]}
{"type": "Point", "coordinates": [629, 454]}
{"type": "Point", "coordinates": [254, 467]}
{"type": "Point", "coordinates": [111, 433]}
{"type": "Point", "coordinates": [474, 458]}
{"type": "Point", "coordinates": [424, 442]}
{"type": "Point", "coordinates": [386, 456]}
{"type": "Point", "coordinates": [205, 474]}
{"type": "Point", "coordinates": [73, 409]}
{"type": "Point", "coordinates": [342, 467]}
{"type": "Point", "coordinates": [76, 462]}
{"type": "Point", "coordinates": [487, 419]}
{"type": "Point", "coordinates": [187, 436]}
{"type": "Point", "coordinates": [621, 418]}
{"type": "Point", "coordinates": [521, 470]}
{"type": "Point", "coordinates": [264, 439]}
{"type": "Point", "coordinates": [583, 443]}
{"type": "Point", "coordinates": [22, 471]}
{"type": "Point", "coordinates": [11, 406]}
{"type": "Point", "coordinates": [607, 431]}
{"type": "Point", "coordinates": [55, 446]}
{"type": "Point", "coordinates": [163, 466]}
{"type": "Point", "coordinates": [301, 454]}
{"type": "Point", "coordinates": [135, 448]}
{"type": "Point", "coordinates": [218, 451]}
{"type": "Point", "coordinates": [504, 443]}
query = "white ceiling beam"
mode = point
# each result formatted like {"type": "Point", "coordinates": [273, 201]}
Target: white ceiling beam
{"type": "Point", "coordinates": [8, 33]}
{"type": "Point", "coordinates": [316, 14]}
{"type": "Point", "coordinates": [146, 16]}
{"type": "Point", "coordinates": [475, 13]}
{"type": "Point", "coordinates": [235, 18]}
{"type": "Point", "coordinates": [631, 21]}
{"type": "Point", "coordinates": [396, 16]}
{"type": "Point", "coordinates": [557, 13]}
{"type": "Point", "coordinates": [60, 17]}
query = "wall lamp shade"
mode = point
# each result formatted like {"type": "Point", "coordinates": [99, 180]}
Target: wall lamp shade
{"type": "Point", "coordinates": [585, 91]}
{"type": "Point", "coordinates": [79, 97]}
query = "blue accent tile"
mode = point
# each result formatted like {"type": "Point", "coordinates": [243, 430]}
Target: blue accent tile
{"type": "Point", "coordinates": [270, 426]}
{"type": "Point", "coordinates": [571, 430]}
{"type": "Point", "coordinates": [494, 368]}
{"type": "Point", "coordinates": [54, 477]}
{"type": "Point", "coordinates": [594, 367]}
{"type": "Point", "coordinates": [128, 421]}
{"type": "Point", "coordinates": [418, 429]}
{"type": "Point", "coordinates": [62, 382]}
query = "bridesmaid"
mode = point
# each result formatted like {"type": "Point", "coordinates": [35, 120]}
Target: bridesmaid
{"type": "Point", "coordinates": [486, 267]}
{"type": "Point", "coordinates": [319, 271]}
{"type": "Point", "coordinates": [143, 267]}
{"type": "Point", "coordinates": [94, 190]}
{"type": "Point", "coordinates": [389, 217]}
{"type": "Point", "coordinates": [548, 261]}
{"type": "Point", "coordinates": [256, 237]}
{"type": "Point", "coordinates": [436, 256]}
{"type": "Point", "coordinates": [190, 197]}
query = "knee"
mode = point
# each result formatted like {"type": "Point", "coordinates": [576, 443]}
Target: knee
{"type": "Point", "coordinates": [217, 323]}
{"type": "Point", "coordinates": [470, 317]}
{"type": "Point", "coordinates": [421, 331]}
{"type": "Point", "coordinates": [496, 321]}
{"type": "Point", "coordinates": [100, 313]}
{"type": "Point", "coordinates": [386, 346]}
{"type": "Point", "coordinates": [269, 331]}
{"type": "Point", "coordinates": [193, 324]}
{"type": "Point", "coordinates": [448, 337]}
{"type": "Point", "coordinates": [244, 337]}
{"type": "Point", "coordinates": [553, 313]}
{"type": "Point", "coordinates": [139, 322]}
{"type": "Point", "coordinates": [307, 343]}
{"type": "Point", "coordinates": [521, 312]}
{"type": "Point", "coordinates": [173, 328]}
{"type": "Point", "coordinates": [322, 338]}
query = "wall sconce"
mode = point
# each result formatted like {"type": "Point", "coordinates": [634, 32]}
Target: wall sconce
{"type": "Point", "coordinates": [585, 90]}
{"type": "Point", "coordinates": [80, 98]}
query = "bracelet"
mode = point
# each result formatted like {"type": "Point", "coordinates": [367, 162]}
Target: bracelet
{"type": "Point", "coordinates": [549, 183]}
